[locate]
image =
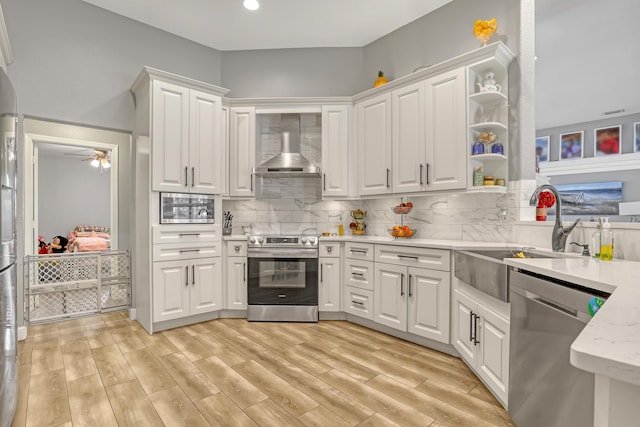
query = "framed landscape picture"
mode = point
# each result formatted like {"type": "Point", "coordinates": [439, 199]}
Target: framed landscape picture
{"type": "Point", "coordinates": [571, 145]}
{"type": "Point", "coordinates": [542, 148]}
{"type": "Point", "coordinates": [636, 137]}
{"type": "Point", "coordinates": [607, 140]}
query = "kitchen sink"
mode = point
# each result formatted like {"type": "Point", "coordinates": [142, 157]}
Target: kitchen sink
{"type": "Point", "coordinates": [484, 269]}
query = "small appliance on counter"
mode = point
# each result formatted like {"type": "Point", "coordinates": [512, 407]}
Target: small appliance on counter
{"type": "Point", "coordinates": [186, 208]}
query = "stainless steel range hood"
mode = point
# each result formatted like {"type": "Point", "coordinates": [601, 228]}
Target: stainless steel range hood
{"type": "Point", "coordinates": [289, 162]}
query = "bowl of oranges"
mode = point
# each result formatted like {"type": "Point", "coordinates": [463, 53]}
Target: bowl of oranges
{"type": "Point", "coordinates": [402, 231]}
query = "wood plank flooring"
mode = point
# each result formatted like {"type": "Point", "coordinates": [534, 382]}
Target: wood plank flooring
{"type": "Point", "coordinates": [107, 371]}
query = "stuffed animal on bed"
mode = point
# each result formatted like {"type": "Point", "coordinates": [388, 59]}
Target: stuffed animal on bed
{"type": "Point", "coordinates": [58, 245]}
{"type": "Point", "coordinates": [42, 246]}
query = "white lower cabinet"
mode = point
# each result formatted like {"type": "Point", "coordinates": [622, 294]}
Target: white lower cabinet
{"type": "Point", "coordinates": [184, 288]}
{"type": "Point", "coordinates": [481, 336]}
{"type": "Point", "coordinates": [236, 275]}
{"type": "Point", "coordinates": [413, 299]}
{"type": "Point", "coordinates": [329, 277]}
{"type": "Point", "coordinates": [358, 301]}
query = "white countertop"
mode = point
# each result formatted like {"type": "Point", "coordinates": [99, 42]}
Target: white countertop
{"type": "Point", "coordinates": [609, 344]}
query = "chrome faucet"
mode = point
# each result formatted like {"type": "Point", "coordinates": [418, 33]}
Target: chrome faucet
{"type": "Point", "coordinates": [560, 233]}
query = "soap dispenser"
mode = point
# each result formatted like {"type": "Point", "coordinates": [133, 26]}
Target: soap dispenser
{"type": "Point", "coordinates": [340, 227]}
{"type": "Point", "coordinates": [606, 241]}
{"type": "Point", "coordinates": [595, 239]}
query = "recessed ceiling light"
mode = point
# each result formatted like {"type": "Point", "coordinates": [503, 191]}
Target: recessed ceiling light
{"type": "Point", "coordinates": [251, 4]}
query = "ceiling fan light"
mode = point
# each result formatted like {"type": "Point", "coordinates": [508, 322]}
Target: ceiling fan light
{"type": "Point", "coordinates": [105, 163]}
{"type": "Point", "coordinates": [251, 4]}
{"type": "Point", "coordinates": [95, 163]}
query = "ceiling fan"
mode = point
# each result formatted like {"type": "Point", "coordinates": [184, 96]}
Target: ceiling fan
{"type": "Point", "coordinates": [99, 159]}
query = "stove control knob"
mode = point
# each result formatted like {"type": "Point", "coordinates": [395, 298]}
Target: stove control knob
{"type": "Point", "coordinates": [260, 239]}
{"type": "Point", "coordinates": [252, 240]}
{"type": "Point", "coordinates": [303, 240]}
{"type": "Point", "coordinates": [312, 240]}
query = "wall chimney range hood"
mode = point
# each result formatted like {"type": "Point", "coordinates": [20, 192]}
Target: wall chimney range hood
{"type": "Point", "coordinates": [289, 162]}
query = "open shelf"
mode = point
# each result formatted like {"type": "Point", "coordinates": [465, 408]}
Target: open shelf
{"type": "Point", "coordinates": [488, 97]}
{"type": "Point", "coordinates": [489, 157]}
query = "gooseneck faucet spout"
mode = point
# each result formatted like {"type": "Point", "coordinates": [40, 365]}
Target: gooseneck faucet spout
{"type": "Point", "coordinates": [560, 233]}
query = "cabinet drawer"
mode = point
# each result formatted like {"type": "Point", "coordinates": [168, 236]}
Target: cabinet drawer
{"type": "Point", "coordinates": [435, 259]}
{"type": "Point", "coordinates": [237, 248]}
{"type": "Point", "coordinates": [359, 251]}
{"type": "Point", "coordinates": [180, 251]}
{"type": "Point", "coordinates": [329, 249]}
{"type": "Point", "coordinates": [358, 274]}
{"type": "Point", "coordinates": [358, 302]}
{"type": "Point", "coordinates": [184, 234]}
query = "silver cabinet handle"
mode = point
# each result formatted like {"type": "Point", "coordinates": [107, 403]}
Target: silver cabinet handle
{"type": "Point", "coordinates": [329, 249]}
{"type": "Point", "coordinates": [402, 285]}
{"type": "Point", "coordinates": [251, 180]}
{"type": "Point", "coordinates": [421, 180]}
{"type": "Point", "coordinates": [237, 248]}
{"type": "Point", "coordinates": [410, 293]}
{"type": "Point", "coordinates": [471, 315]}
{"type": "Point", "coordinates": [408, 257]}
{"type": "Point", "coordinates": [324, 182]}
{"type": "Point", "coordinates": [186, 270]}
{"type": "Point", "coordinates": [182, 251]}
{"type": "Point", "coordinates": [321, 270]}
{"type": "Point", "coordinates": [388, 177]}
{"type": "Point", "coordinates": [359, 251]}
{"type": "Point", "coordinates": [244, 272]}
{"type": "Point", "coordinates": [357, 274]}
{"type": "Point", "coordinates": [427, 173]}
{"type": "Point", "coordinates": [360, 303]}
{"type": "Point", "coordinates": [186, 176]}
{"type": "Point", "coordinates": [193, 274]}
{"type": "Point", "coordinates": [193, 176]}
{"type": "Point", "coordinates": [282, 295]}
{"type": "Point", "coordinates": [188, 234]}
{"type": "Point", "coordinates": [475, 329]}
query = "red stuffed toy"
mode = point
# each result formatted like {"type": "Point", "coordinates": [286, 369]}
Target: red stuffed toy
{"type": "Point", "coordinates": [42, 246]}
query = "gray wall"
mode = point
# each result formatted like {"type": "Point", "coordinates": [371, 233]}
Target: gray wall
{"type": "Point", "coordinates": [75, 62]}
{"type": "Point", "coordinates": [70, 192]}
{"type": "Point", "coordinates": [292, 72]}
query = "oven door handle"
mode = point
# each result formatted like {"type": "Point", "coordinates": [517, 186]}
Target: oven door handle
{"type": "Point", "coordinates": [293, 253]}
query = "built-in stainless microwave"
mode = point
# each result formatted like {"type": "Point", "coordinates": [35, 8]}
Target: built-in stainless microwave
{"type": "Point", "coordinates": [185, 208]}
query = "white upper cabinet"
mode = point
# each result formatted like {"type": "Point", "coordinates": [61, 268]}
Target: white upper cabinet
{"type": "Point", "coordinates": [170, 137]}
{"type": "Point", "coordinates": [373, 117]}
{"type": "Point", "coordinates": [335, 150]}
{"type": "Point", "coordinates": [186, 139]}
{"type": "Point", "coordinates": [409, 149]}
{"type": "Point", "coordinates": [242, 146]}
{"type": "Point", "coordinates": [446, 131]}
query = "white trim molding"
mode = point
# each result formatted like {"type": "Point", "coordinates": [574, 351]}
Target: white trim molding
{"type": "Point", "coordinates": [617, 162]}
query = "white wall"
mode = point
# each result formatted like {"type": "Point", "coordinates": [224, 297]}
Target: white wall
{"type": "Point", "coordinates": [70, 192]}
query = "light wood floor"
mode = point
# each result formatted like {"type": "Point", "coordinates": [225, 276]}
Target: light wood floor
{"type": "Point", "coordinates": [107, 371]}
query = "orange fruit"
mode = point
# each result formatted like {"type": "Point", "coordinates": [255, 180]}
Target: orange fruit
{"type": "Point", "coordinates": [409, 204]}
{"type": "Point", "coordinates": [408, 233]}
{"type": "Point", "coordinates": [396, 227]}
{"type": "Point", "coordinates": [406, 228]}
{"type": "Point", "coordinates": [401, 233]}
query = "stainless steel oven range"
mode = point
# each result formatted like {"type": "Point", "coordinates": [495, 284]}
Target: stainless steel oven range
{"type": "Point", "coordinates": [283, 278]}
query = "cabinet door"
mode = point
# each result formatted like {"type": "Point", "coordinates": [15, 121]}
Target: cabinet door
{"type": "Point", "coordinates": [242, 146]}
{"type": "Point", "coordinates": [374, 145]}
{"type": "Point", "coordinates": [170, 290]}
{"type": "Point", "coordinates": [409, 149]}
{"type": "Point", "coordinates": [205, 146]}
{"type": "Point", "coordinates": [493, 351]}
{"type": "Point", "coordinates": [335, 143]}
{"type": "Point", "coordinates": [236, 283]}
{"type": "Point", "coordinates": [329, 293]}
{"type": "Point", "coordinates": [446, 131]}
{"type": "Point", "coordinates": [205, 281]}
{"type": "Point", "coordinates": [462, 335]}
{"type": "Point", "coordinates": [170, 137]}
{"type": "Point", "coordinates": [224, 164]}
{"type": "Point", "coordinates": [429, 306]}
{"type": "Point", "coordinates": [390, 290]}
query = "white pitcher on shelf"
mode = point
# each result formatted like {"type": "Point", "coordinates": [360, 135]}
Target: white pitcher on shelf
{"type": "Point", "coordinates": [489, 84]}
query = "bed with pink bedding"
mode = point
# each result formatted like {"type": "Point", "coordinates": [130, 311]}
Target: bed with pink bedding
{"type": "Point", "coordinates": [85, 238]}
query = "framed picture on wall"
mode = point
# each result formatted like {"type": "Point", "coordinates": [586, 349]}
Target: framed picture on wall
{"type": "Point", "coordinates": [571, 145]}
{"type": "Point", "coordinates": [542, 148]}
{"type": "Point", "coordinates": [607, 140]}
{"type": "Point", "coordinates": [636, 137]}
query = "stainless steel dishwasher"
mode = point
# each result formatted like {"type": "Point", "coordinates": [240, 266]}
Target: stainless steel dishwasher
{"type": "Point", "coordinates": [546, 316]}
